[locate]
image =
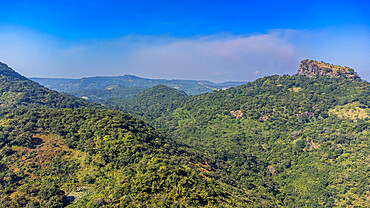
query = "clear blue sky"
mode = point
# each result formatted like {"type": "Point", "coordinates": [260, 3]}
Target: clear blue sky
{"type": "Point", "coordinates": [122, 32]}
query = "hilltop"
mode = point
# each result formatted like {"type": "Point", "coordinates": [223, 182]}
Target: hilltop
{"type": "Point", "coordinates": [18, 91]}
{"type": "Point", "coordinates": [312, 68]}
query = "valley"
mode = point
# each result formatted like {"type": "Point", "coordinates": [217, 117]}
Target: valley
{"type": "Point", "coordinates": [297, 140]}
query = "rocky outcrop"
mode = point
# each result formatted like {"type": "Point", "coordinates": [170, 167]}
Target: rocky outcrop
{"type": "Point", "coordinates": [312, 68]}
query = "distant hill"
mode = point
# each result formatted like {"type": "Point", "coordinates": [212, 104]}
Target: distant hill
{"type": "Point", "coordinates": [150, 103]}
{"type": "Point", "coordinates": [18, 91]}
{"type": "Point", "coordinates": [103, 95]}
{"type": "Point", "coordinates": [191, 87]}
{"type": "Point", "coordinates": [312, 68]}
{"type": "Point", "coordinates": [48, 82]}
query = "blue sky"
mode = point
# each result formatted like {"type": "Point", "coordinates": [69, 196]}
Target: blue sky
{"type": "Point", "coordinates": [214, 40]}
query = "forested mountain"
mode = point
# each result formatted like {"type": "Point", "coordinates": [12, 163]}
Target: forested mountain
{"type": "Point", "coordinates": [191, 87]}
{"type": "Point", "coordinates": [103, 95]}
{"type": "Point", "coordinates": [50, 82]}
{"type": "Point", "coordinates": [280, 141]}
{"type": "Point", "coordinates": [311, 132]}
{"type": "Point", "coordinates": [18, 91]}
{"type": "Point", "coordinates": [52, 156]}
{"type": "Point", "coordinates": [151, 103]}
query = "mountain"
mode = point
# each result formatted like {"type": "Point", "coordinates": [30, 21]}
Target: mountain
{"type": "Point", "coordinates": [312, 68]}
{"type": "Point", "coordinates": [47, 82]}
{"type": "Point", "coordinates": [150, 103]}
{"type": "Point", "coordinates": [102, 95]}
{"type": "Point", "coordinates": [311, 133]}
{"type": "Point", "coordinates": [18, 91]}
{"type": "Point", "coordinates": [55, 152]}
{"type": "Point", "coordinates": [280, 141]}
{"type": "Point", "coordinates": [191, 87]}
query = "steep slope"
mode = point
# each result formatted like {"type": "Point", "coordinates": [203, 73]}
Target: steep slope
{"type": "Point", "coordinates": [18, 91]}
{"type": "Point", "coordinates": [191, 87]}
{"type": "Point", "coordinates": [102, 158]}
{"type": "Point", "coordinates": [298, 126]}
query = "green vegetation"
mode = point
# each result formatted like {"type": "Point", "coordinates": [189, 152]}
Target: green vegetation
{"type": "Point", "coordinates": [151, 103]}
{"type": "Point", "coordinates": [353, 111]}
{"type": "Point", "coordinates": [191, 87]}
{"type": "Point", "coordinates": [288, 123]}
{"type": "Point", "coordinates": [17, 91]}
{"type": "Point", "coordinates": [118, 159]}
{"type": "Point", "coordinates": [111, 92]}
{"type": "Point", "coordinates": [84, 157]}
{"type": "Point", "coordinates": [280, 141]}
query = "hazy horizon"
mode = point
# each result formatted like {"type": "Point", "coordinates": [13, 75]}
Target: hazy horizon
{"type": "Point", "coordinates": [135, 76]}
{"type": "Point", "coordinates": [222, 41]}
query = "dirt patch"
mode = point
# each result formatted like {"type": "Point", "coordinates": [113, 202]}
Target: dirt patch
{"type": "Point", "coordinates": [271, 169]}
{"type": "Point", "coordinates": [264, 118]}
{"type": "Point", "coordinates": [237, 114]}
{"type": "Point", "coordinates": [314, 145]}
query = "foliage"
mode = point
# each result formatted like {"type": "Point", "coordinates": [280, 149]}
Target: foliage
{"type": "Point", "coordinates": [18, 91]}
{"type": "Point", "coordinates": [280, 141]}
{"type": "Point", "coordinates": [150, 103]}
{"type": "Point", "coordinates": [315, 157]}
{"type": "Point", "coordinates": [121, 159]}
{"type": "Point", "coordinates": [191, 87]}
{"type": "Point", "coordinates": [101, 95]}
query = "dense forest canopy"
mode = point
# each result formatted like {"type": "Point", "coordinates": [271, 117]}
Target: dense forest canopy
{"type": "Point", "coordinates": [280, 141]}
{"type": "Point", "coordinates": [53, 156]}
{"type": "Point", "coordinates": [313, 134]}
{"type": "Point", "coordinates": [104, 158]}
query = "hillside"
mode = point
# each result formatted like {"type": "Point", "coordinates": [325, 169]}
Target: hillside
{"type": "Point", "coordinates": [112, 157]}
{"type": "Point", "coordinates": [150, 103]}
{"type": "Point", "coordinates": [312, 134]}
{"type": "Point", "coordinates": [52, 156]}
{"type": "Point", "coordinates": [289, 141]}
{"type": "Point", "coordinates": [18, 91]}
{"type": "Point", "coordinates": [191, 87]}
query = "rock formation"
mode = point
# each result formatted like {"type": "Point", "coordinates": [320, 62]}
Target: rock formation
{"type": "Point", "coordinates": [312, 68]}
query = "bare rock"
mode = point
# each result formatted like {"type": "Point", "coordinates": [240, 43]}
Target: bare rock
{"type": "Point", "coordinates": [312, 68]}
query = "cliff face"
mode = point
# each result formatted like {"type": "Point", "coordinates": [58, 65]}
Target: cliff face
{"type": "Point", "coordinates": [311, 68]}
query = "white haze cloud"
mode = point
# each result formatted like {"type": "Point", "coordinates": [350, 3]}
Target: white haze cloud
{"type": "Point", "coordinates": [218, 57]}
